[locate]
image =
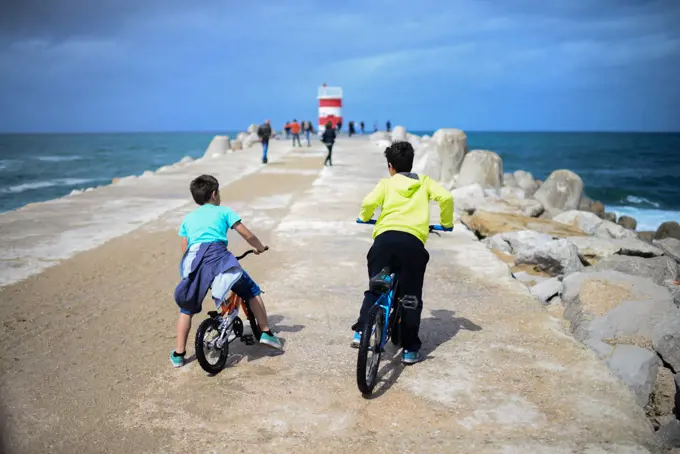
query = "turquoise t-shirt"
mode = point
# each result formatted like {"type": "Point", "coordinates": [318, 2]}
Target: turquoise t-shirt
{"type": "Point", "coordinates": [208, 224]}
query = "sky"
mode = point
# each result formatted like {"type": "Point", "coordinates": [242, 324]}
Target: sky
{"type": "Point", "coordinates": [213, 65]}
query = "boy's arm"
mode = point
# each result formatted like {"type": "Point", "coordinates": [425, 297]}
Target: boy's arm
{"type": "Point", "coordinates": [445, 199]}
{"type": "Point", "coordinates": [374, 199]}
{"type": "Point", "coordinates": [250, 237]}
{"type": "Point", "coordinates": [185, 244]}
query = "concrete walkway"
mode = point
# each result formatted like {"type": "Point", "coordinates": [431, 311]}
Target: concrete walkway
{"type": "Point", "coordinates": [85, 343]}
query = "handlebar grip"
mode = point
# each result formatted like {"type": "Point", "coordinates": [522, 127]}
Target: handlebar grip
{"type": "Point", "coordinates": [441, 228]}
{"type": "Point", "coordinates": [371, 221]}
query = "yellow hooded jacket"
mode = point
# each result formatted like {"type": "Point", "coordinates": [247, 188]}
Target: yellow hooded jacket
{"type": "Point", "coordinates": [405, 204]}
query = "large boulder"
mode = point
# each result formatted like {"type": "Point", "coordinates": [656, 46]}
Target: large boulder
{"type": "Point", "coordinates": [636, 367]}
{"type": "Point", "coordinates": [547, 289]}
{"type": "Point", "coordinates": [584, 220]}
{"type": "Point", "coordinates": [670, 247]}
{"type": "Point", "coordinates": [646, 236]}
{"type": "Point", "coordinates": [523, 240]}
{"type": "Point", "coordinates": [554, 257]}
{"type": "Point", "coordinates": [509, 205]}
{"type": "Point", "coordinates": [252, 129]}
{"type": "Point", "coordinates": [219, 146]}
{"type": "Point", "coordinates": [669, 229]}
{"type": "Point", "coordinates": [498, 243]}
{"type": "Point", "coordinates": [483, 167]}
{"type": "Point", "coordinates": [442, 157]}
{"type": "Point", "coordinates": [657, 269]}
{"type": "Point", "coordinates": [509, 180]}
{"type": "Point", "coordinates": [526, 182]}
{"type": "Point", "coordinates": [627, 222]}
{"type": "Point", "coordinates": [236, 145]}
{"type": "Point", "coordinates": [608, 229]}
{"type": "Point", "coordinates": [510, 193]}
{"type": "Point", "coordinates": [594, 249]}
{"type": "Point", "coordinates": [485, 224]}
{"type": "Point", "coordinates": [608, 308]}
{"type": "Point", "coordinates": [399, 134]}
{"type": "Point", "coordinates": [242, 136]}
{"type": "Point", "coordinates": [380, 135]}
{"type": "Point", "coordinates": [668, 436]}
{"type": "Point", "coordinates": [611, 217]}
{"type": "Point", "coordinates": [561, 191]}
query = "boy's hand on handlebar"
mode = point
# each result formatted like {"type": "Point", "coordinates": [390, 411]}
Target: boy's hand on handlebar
{"type": "Point", "coordinates": [258, 252]}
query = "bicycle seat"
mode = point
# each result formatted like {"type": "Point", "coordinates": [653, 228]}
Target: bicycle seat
{"type": "Point", "coordinates": [381, 282]}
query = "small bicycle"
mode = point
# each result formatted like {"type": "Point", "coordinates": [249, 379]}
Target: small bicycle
{"type": "Point", "coordinates": [383, 322]}
{"type": "Point", "coordinates": [221, 328]}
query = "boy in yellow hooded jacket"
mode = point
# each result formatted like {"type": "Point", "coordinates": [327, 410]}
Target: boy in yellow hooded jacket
{"type": "Point", "coordinates": [399, 237]}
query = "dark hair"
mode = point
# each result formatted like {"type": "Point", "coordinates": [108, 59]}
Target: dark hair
{"type": "Point", "coordinates": [329, 124]}
{"type": "Point", "coordinates": [400, 156]}
{"type": "Point", "coordinates": [203, 187]}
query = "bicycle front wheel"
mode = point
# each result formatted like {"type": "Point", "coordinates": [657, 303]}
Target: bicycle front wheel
{"type": "Point", "coordinates": [368, 360]}
{"type": "Point", "coordinates": [211, 358]}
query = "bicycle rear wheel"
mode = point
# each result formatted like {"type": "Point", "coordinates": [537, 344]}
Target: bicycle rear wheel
{"type": "Point", "coordinates": [211, 358]}
{"type": "Point", "coordinates": [368, 360]}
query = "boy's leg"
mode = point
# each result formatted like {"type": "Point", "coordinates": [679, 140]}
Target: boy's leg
{"type": "Point", "coordinates": [247, 289]}
{"type": "Point", "coordinates": [413, 258]}
{"type": "Point", "coordinates": [379, 256]}
{"type": "Point", "coordinates": [183, 328]}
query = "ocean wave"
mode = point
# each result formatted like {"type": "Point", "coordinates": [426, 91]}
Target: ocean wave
{"type": "Point", "coordinates": [640, 201]}
{"type": "Point", "coordinates": [647, 218]}
{"type": "Point", "coordinates": [58, 158]}
{"type": "Point", "coordinates": [45, 184]}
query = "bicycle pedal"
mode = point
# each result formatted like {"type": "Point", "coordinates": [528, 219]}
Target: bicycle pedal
{"type": "Point", "coordinates": [248, 339]}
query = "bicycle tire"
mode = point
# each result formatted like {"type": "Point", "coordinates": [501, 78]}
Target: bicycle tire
{"type": "Point", "coordinates": [254, 326]}
{"type": "Point", "coordinates": [372, 329]}
{"type": "Point", "coordinates": [202, 330]}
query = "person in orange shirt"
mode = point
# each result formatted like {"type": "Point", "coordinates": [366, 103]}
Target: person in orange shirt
{"type": "Point", "coordinates": [295, 130]}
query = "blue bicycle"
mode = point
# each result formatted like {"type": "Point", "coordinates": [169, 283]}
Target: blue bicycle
{"type": "Point", "coordinates": [383, 322]}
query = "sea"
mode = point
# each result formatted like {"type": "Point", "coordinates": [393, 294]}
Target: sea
{"type": "Point", "coordinates": [637, 174]}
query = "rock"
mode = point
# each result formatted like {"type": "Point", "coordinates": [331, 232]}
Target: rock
{"type": "Point", "coordinates": [525, 181]}
{"type": "Point", "coordinates": [668, 435]}
{"type": "Point", "coordinates": [611, 217]}
{"type": "Point", "coordinates": [483, 167]}
{"type": "Point", "coordinates": [662, 397]}
{"type": "Point", "coordinates": [523, 240]}
{"type": "Point", "coordinates": [529, 279]}
{"type": "Point", "coordinates": [585, 203]}
{"type": "Point", "coordinates": [498, 243]}
{"type": "Point", "coordinates": [495, 204]}
{"type": "Point", "coordinates": [487, 224]}
{"type": "Point", "coordinates": [219, 146]}
{"type": "Point", "coordinates": [547, 289]}
{"type": "Point", "coordinates": [399, 134]}
{"type": "Point", "coordinates": [442, 157]}
{"type": "Point", "coordinates": [674, 289]}
{"type": "Point", "coordinates": [509, 180]}
{"type": "Point", "coordinates": [380, 135]}
{"type": "Point", "coordinates": [657, 269]}
{"type": "Point", "coordinates": [608, 229]}
{"type": "Point", "coordinates": [677, 395]}
{"type": "Point", "coordinates": [586, 221]}
{"type": "Point", "coordinates": [627, 222]}
{"type": "Point", "coordinates": [670, 247]}
{"type": "Point", "coordinates": [252, 129]}
{"type": "Point", "coordinates": [554, 257]}
{"type": "Point", "coordinates": [646, 236]}
{"type": "Point", "coordinates": [236, 145]}
{"type": "Point", "coordinates": [471, 192]}
{"type": "Point", "coordinates": [250, 140]}
{"type": "Point", "coordinates": [597, 208]}
{"type": "Point", "coordinates": [561, 191]}
{"type": "Point", "coordinates": [593, 249]}
{"type": "Point", "coordinates": [242, 136]}
{"type": "Point", "coordinates": [636, 367]}
{"type": "Point", "coordinates": [608, 308]}
{"type": "Point", "coordinates": [669, 229]}
{"type": "Point", "coordinates": [508, 192]}
{"type": "Point", "coordinates": [187, 160]}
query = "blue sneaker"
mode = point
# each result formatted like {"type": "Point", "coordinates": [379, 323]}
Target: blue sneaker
{"type": "Point", "coordinates": [408, 357]}
{"type": "Point", "coordinates": [177, 361]}
{"type": "Point", "coordinates": [271, 340]}
{"type": "Point", "coordinates": [356, 340]}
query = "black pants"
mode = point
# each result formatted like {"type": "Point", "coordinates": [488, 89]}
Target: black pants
{"type": "Point", "coordinates": [406, 255]}
{"type": "Point", "coordinates": [330, 154]}
{"type": "Point", "coordinates": [296, 136]}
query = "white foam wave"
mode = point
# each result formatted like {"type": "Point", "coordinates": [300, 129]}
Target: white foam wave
{"type": "Point", "coordinates": [58, 158]}
{"type": "Point", "coordinates": [648, 219]}
{"type": "Point", "coordinates": [641, 201]}
{"type": "Point", "coordinates": [45, 184]}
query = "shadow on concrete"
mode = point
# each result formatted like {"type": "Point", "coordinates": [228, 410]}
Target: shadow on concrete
{"type": "Point", "coordinates": [436, 330]}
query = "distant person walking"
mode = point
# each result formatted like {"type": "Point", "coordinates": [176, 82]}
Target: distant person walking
{"type": "Point", "coordinates": [351, 128]}
{"type": "Point", "coordinates": [287, 129]}
{"type": "Point", "coordinates": [295, 130]}
{"type": "Point", "coordinates": [328, 139]}
{"type": "Point", "coordinates": [264, 132]}
{"type": "Point", "coordinates": [308, 129]}
{"type": "Point", "coordinates": [339, 126]}
{"type": "Point", "coordinates": [389, 126]}
{"type": "Point", "coordinates": [362, 126]}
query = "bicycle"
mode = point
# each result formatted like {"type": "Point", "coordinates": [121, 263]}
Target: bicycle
{"type": "Point", "coordinates": [226, 326]}
{"type": "Point", "coordinates": [383, 322]}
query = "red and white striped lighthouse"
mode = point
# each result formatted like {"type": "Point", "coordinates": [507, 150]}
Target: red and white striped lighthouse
{"type": "Point", "coordinates": [330, 106]}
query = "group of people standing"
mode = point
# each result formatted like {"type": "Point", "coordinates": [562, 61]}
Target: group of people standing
{"type": "Point", "coordinates": [294, 128]}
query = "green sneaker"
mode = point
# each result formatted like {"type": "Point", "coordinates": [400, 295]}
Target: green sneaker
{"type": "Point", "coordinates": [177, 361]}
{"type": "Point", "coordinates": [271, 340]}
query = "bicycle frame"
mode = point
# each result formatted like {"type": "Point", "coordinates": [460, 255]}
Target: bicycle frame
{"type": "Point", "coordinates": [385, 303]}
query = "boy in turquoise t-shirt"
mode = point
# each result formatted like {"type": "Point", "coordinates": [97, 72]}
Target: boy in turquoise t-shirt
{"type": "Point", "coordinates": [209, 223]}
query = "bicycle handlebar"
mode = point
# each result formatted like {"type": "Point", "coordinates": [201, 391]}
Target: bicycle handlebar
{"type": "Point", "coordinates": [434, 227]}
{"type": "Point", "coordinates": [248, 252]}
